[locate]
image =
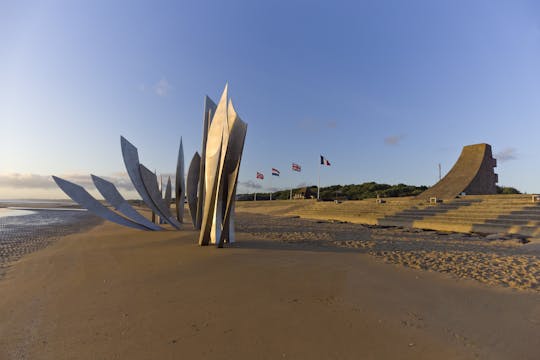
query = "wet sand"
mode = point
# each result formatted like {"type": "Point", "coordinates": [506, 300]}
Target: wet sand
{"type": "Point", "coordinates": [22, 235]}
{"type": "Point", "coordinates": [289, 288]}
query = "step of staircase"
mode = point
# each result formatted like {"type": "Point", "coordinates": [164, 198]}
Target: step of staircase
{"type": "Point", "coordinates": [487, 214]}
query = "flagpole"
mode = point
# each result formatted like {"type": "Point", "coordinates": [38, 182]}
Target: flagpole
{"type": "Point", "coordinates": [290, 194]}
{"type": "Point", "coordinates": [318, 181]}
{"type": "Point", "coordinates": [270, 186]}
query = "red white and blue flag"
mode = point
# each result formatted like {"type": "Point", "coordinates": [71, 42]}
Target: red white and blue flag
{"type": "Point", "coordinates": [260, 175]}
{"type": "Point", "coordinates": [275, 172]}
{"type": "Point", "coordinates": [296, 167]}
{"type": "Point", "coordinates": [324, 161]}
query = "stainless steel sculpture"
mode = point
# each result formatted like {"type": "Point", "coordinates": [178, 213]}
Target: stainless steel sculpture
{"type": "Point", "coordinates": [150, 183]}
{"type": "Point", "coordinates": [224, 149]}
{"type": "Point", "coordinates": [131, 160]}
{"type": "Point", "coordinates": [180, 185]}
{"type": "Point", "coordinates": [168, 194]}
{"type": "Point", "coordinates": [113, 197]}
{"type": "Point", "coordinates": [211, 181]}
{"type": "Point", "coordinates": [211, 171]}
{"type": "Point", "coordinates": [192, 185]}
{"type": "Point", "coordinates": [229, 175]}
{"type": "Point", "coordinates": [209, 111]}
{"type": "Point", "coordinates": [83, 198]}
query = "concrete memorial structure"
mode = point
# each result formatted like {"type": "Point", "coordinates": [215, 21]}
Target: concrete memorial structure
{"type": "Point", "coordinates": [211, 181]}
{"type": "Point", "coordinates": [472, 174]}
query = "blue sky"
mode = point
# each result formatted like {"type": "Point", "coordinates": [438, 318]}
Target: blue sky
{"type": "Point", "coordinates": [385, 90]}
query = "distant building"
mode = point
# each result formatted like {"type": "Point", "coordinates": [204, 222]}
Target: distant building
{"type": "Point", "coordinates": [303, 193]}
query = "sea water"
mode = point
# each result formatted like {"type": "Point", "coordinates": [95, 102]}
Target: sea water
{"type": "Point", "coordinates": [8, 212]}
{"type": "Point", "coordinates": [13, 219]}
{"type": "Point", "coordinates": [23, 231]}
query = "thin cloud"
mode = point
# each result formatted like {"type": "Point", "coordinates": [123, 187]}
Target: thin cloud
{"type": "Point", "coordinates": [26, 181]}
{"type": "Point", "coordinates": [393, 140]}
{"type": "Point", "coordinates": [506, 154]}
{"type": "Point", "coordinates": [39, 181]}
{"type": "Point", "coordinates": [162, 87]}
{"type": "Point", "coordinates": [250, 184]}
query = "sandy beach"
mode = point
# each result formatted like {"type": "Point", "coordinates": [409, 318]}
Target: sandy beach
{"type": "Point", "coordinates": [288, 289]}
{"type": "Point", "coordinates": [22, 235]}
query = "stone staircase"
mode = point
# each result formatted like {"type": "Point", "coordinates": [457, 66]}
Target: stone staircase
{"type": "Point", "coordinates": [276, 207]}
{"type": "Point", "coordinates": [513, 214]}
{"type": "Point", "coordinates": [484, 214]}
{"type": "Point", "coordinates": [362, 211]}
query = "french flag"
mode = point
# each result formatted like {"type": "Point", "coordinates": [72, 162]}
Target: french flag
{"type": "Point", "coordinates": [324, 161]}
{"type": "Point", "coordinates": [275, 172]}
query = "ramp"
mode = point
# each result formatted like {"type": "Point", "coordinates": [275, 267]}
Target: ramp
{"type": "Point", "coordinates": [472, 174]}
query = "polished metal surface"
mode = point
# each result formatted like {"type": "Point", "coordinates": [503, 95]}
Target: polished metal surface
{"type": "Point", "coordinates": [131, 160]}
{"type": "Point", "coordinates": [229, 173]}
{"type": "Point", "coordinates": [192, 184]}
{"type": "Point", "coordinates": [150, 183]}
{"type": "Point", "coordinates": [209, 111]}
{"type": "Point", "coordinates": [180, 184]}
{"type": "Point", "coordinates": [224, 149]}
{"type": "Point", "coordinates": [212, 163]}
{"type": "Point", "coordinates": [113, 197]}
{"type": "Point", "coordinates": [83, 198]}
{"type": "Point", "coordinates": [210, 187]}
{"type": "Point", "coordinates": [168, 194]}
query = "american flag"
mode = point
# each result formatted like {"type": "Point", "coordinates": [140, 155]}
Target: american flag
{"type": "Point", "coordinates": [275, 172]}
{"type": "Point", "coordinates": [260, 175]}
{"type": "Point", "coordinates": [296, 167]}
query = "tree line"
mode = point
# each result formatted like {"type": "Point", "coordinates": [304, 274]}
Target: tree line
{"type": "Point", "coordinates": [356, 192]}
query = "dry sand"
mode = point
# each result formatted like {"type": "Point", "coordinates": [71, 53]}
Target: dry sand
{"type": "Point", "coordinates": [288, 289]}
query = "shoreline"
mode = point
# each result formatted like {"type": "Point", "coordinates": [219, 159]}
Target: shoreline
{"type": "Point", "coordinates": [24, 234]}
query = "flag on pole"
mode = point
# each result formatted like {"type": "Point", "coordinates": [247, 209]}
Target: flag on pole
{"type": "Point", "coordinates": [324, 161]}
{"type": "Point", "coordinates": [260, 175]}
{"type": "Point", "coordinates": [275, 172]}
{"type": "Point", "coordinates": [296, 167]}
